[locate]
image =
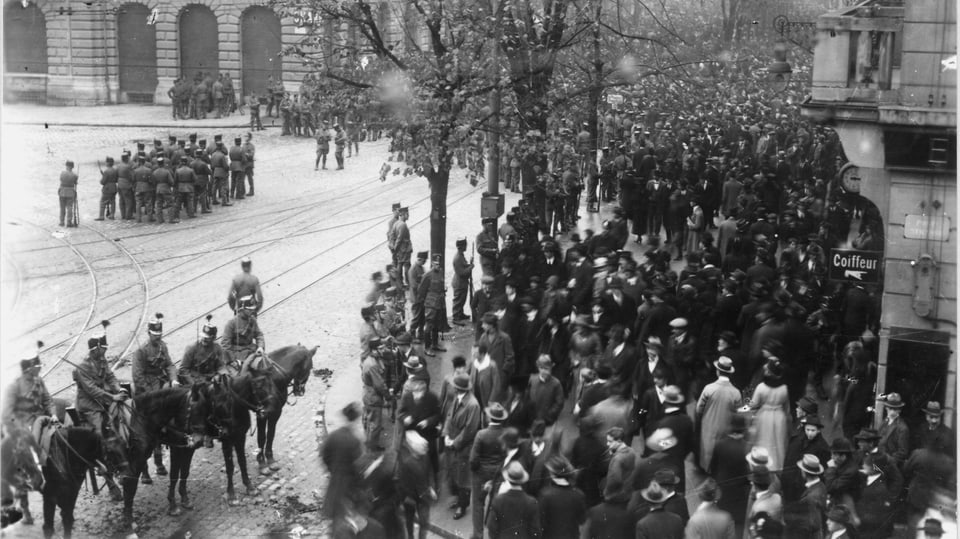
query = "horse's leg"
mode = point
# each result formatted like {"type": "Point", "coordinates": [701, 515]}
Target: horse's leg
{"type": "Point", "coordinates": [173, 510]}
{"type": "Point", "coordinates": [68, 504]}
{"type": "Point", "coordinates": [27, 519]}
{"type": "Point", "coordinates": [227, 447]}
{"type": "Point", "coordinates": [271, 432]}
{"type": "Point", "coordinates": [130, 484]}
{"type": "Point", "coordinates": [49, 510]}
{"type": "Point", "coordinates": [186, 457]}
{"type": "Point", "coordinates": [261, 445]}
{"type": "Point", "coordinates": [239, 443]}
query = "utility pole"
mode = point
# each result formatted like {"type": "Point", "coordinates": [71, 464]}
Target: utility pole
{"type": "Point", "coordinates": [492, 205]}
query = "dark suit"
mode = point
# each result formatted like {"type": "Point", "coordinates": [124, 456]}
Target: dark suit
{"type": "Point", "coordinates": [659, 524]}
{"type": "Point", "coordinates": [557, 268]}
{"type": "Point", "coordinates": [514, 515]}
{"type": "Point", "coordinates": [562, 510]}
{"type": "Point", "coordinates": [710, 522]}
{"type": "Point", "coordinates": [609, 521]}
{"type": "Point", "coordinates": [797, 447]}
{"type": "Point", "coordinates": [340, 453]}
{"type": "Point", "coordinates": [675, 504]}
{"type": "Point", "coordinates": [582, 292]}
{"type": "Point", "coordinates": [895, 440]}
{"type": "Point", "coordinates": [486, 457]}
{"type": "Point", "coordinates": [527, 346]}
{"type": "Point", "coordinates": [804, 518]}
{"type": "Point", "coordinates": [731, 470]}
{"type": "Point", "coordinates": [623, 312]}
{"type": "Point", "coordinates": [650, 409]}
{"type": "Point", "coordinates": [682, 427]}
{"type": "Point", "coordinates": [875, 510]}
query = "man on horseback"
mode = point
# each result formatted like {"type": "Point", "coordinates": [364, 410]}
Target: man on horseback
{"type": "Point", "coordinates": [245, 284]}
{"type": "Point", "coordinates": [97, 389]}
{"type": "Point", "coordinates": [204, 359]}
{"type": "Point", "coordinates": [153, 369]}
{"type": "Point", "coordinates": [242, 336]}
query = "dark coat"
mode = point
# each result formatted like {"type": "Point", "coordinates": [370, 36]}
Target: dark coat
{"type": "Point", "coordinates": [730, 468]}
{"type": "Point", "coordinates": [587, 456]}
{"type": "Point", "coordinates": [428, 409]}
{"type": "Point", "coordinates": [340, 453]}
{"type": "Point", "coordinates": [675, 504]}
{"type": "Point", "coordinates": [797, 447]}
{"type": "Point", "coordinates": [659, 524]}
{"type": "Point", "coordinates": [515, 515]}
{"type": "Point", "coordinates": [874, 509]}
{"type": "Point", "coordinates": [487, 453]}
{"type": "Point", "coordinates": [650, 408]}
{"type": "Point", "coordinates": [609, 521]}
{"type": "Point", "coordinates": [562, 511]}
{"type": "Point", "coordinates": [682, 426]}
{"type": "Point", "coordinates": [804, 518]}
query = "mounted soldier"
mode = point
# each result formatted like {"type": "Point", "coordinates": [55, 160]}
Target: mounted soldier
{"type": "Point", "coordinates": [203, 359]}
{"type": "Point", "coordinates": [242, 336]}
{"type": "Point", "coordinates": [153, 370]}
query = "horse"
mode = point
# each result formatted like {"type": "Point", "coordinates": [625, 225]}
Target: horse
{"type": "Point", "coordinates": [163, 416]}
{"type": "Point", "coordinates": [291, 366]}
{"type": "Point", "coordinates": [229, 401]}
{"type": "Point", "coordinates": [73, 451]}
{"type": "Point", "coordinates": [20, 469]}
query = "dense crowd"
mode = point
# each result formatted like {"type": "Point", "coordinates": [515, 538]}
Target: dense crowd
{"type": "Point", "coordinates": [741, 358]}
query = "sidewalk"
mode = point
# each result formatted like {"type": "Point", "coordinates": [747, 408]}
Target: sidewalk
{"type": "Point", "coordinates": [119, 116]}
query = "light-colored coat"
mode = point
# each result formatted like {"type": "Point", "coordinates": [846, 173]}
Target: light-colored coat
{"type": "Point", "coordinates": [717, 404]}
{"type": "Point", "coordinates": [710, 522]}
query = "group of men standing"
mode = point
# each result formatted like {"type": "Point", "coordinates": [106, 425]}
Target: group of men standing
{"type": "Point", "coordinates": [182, 175]}
{"type": "Point", "coordinates": [204, 95]}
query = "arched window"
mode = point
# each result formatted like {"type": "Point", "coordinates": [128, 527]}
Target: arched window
{"type": "Point", "coordinates": [260, 49]}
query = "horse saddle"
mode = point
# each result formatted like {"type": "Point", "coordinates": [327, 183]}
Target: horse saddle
{"type": "Point", "coordinates": [43, 430]}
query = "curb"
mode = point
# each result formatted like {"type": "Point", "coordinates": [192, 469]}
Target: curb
{"type": "Point", "coordinates": [131, 125]}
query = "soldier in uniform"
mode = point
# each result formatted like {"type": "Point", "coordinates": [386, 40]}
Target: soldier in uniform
{"type": "Point", "coordinates": [339, 141]}
{"type": "Point", "coordinates": [377, 395]}
{"type": "Point", "coordinates": [253, 103]}
{"type": "Point", "coordinates": [125, 186]}
{"type": "Point", "coordinates": [487, 247]}
{"type": "Point", "coordinates": [108, 192]}
{"type": "Point", "coordinates": [155, 152]}
{"type": "Point", "coordinates": [430, 294]}
{"type": "Point", "coordinates": [186, 179]}
{"type": "Point", "coordinates": [143, 189]}
{"type": "Point", "coordinates": [218, 160]}
{"type": "Point", "coordinates": [414, 277]}
{"type": "Point", "coordinates": [201, 171]}
{"type": "Point", "coordinates": [236, 170]}
{"type": "Point", "coordinates": [249, 151]}
{"type": "Point", "coordinates": [164, 181]}
{"type": "Point", "coordinates": [198, 107]}
{"type": "Point", "coordinates": [204, 359]}
{"type": "Point", "coordinates": [285, 113]}
{"type": "Point", "coordinates": [391, 237]}
{"type": "Point", "coordinates": [245, 284]}
{"type": "Point", "coordinates": [462, 270]}
{"type": "Point", "coordinates": [242, 336]}
{"type": "Point", "coordinates": [217, 92]}
{"type": "Point", "coordinates": [323, 148]}
{"type": "Point", "coordinates": [68, 195]}
{"type": "Point", "coordinates": [403, 247]}
{"type": "Point", "coordinates": [97, 389]}
{"type": "Point", "coordinates": [152, 369]}
{"type": "Point", "coordinates": [272, 104]}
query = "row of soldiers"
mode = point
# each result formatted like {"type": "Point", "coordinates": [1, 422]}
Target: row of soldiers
{"type": "Point", "coordinates": [204, 95]}
{"type": "Point", "coordinates": [181, 175]}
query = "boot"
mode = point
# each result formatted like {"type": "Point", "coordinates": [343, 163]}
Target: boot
{"type": "Point", "coordinates": [100, 217]}
{"type": "Point", "coordinates": [172, 217]}
{"type": "Point", "coordinates": [160, 212]}
{"type": "Point", "coordinates": [139, 214]}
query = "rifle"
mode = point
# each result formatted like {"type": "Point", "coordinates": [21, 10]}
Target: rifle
{"type": "Point", "coordinates": [470, 282]}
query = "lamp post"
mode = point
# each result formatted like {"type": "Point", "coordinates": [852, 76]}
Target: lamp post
{"type": "Point", "coordinates": [780, 70]}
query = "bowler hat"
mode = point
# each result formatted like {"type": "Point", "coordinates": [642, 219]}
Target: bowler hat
{"type": "Point", "coordinates": [665, 476]}
{"type": "Point", "coordinates": [487, 279]}
{"type": "Point", "coordinates": [672, 395]}
{"type": "Point", "coordinates": [654, 493]}
{"type": "Point", "coordinates": [729, 337]}
{"type": "Point", "coordinates": [867, 435]}
{"type": "Point", "coordinates": [413, 363]}
{"type": "Point", "coordinates": [559, 467]}
{"type": "Point", "coordinates": [515, 474]}
{"type": "Point", "coordinates": [808, 405]}
{"type": "Point", "coordinates": [462, 382]}
{"type": "Point", "coordinates": [496, 412]}
{"type": "Point", "coordinates": [810, 464]}
{"type": "Point", "coordinates": [812, 419]}
{"type": "Point", "coordinates": [724, 364]}
{"type": "Point", "coordinates": [758, 456]}
{"type": "Point", "coordinates": [839, 513]}
{"type": "Point", "coordinates": [932, 526]}
{"type": "Point", "coordinates": [738, 424]}
{"type": "Point", "coordinates": [933, 408]}
{"type": "Point", "coordinates": [761, 476]}
{"type": "Point", "coordinates": [841, 445]}
{"type": "Point", "coordinates": [894, 401]}
{"type": "Point", "coordinates": [662, 439]}
{"type": "Point", "coordinates": [510, 438]}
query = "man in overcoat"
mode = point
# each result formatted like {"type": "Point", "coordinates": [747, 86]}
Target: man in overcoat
{"type": "Point", "coordinates": [460, 426]}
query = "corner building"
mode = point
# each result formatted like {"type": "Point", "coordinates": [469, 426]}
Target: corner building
{"type": "Point", "coordinates": [885, 79]}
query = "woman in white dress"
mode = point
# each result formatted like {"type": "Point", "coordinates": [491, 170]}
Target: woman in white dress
{"type": "Point", "coordinates": [771, 419]}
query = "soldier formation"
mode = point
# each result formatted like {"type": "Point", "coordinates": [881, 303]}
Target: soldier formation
{"type": "Point", "coordinates": [181, 176]}
{"type": "Point", "coordinates": [204, 95]}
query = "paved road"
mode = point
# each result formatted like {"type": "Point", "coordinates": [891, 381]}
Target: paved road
{"type": "Point", "coordinates": [314, 237]}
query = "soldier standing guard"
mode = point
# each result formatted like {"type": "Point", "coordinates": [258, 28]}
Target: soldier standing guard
{"type": "Point", "coordinates": [462, 270]}
{"type": "Point", "coordinates": [323, 148]}
{"type": "Point", "coordinates": [143, 187]}
{"type": "Point", "coordinates": [487, 247]}
{"type": "Point", "coordinates": [163, 179]}
{"type": "Point", "coordinates": [253, 103]}
{"type": "Point", "coordinates": [125, 186]}
{"type": "Point", "coordinates": [218, 160]}
{"type": "Point", "coordinates": [431, 293]}
{"type": "Point", "coordinates": [245, 284]}
{"type": "Point", "coordinates": [201, 193]}
{"type": "Point", "coordinates": [108, 193]}
{"type": "Point", "coordinates": [152, 369]}
{"type": "Point", "coordinates": [68, 195]}
{"type": "Point", "coordinates": [391, 236]}
{"type": "Point", "coordinates": [403, 247]}
{"type": "Point", "coordinates": [186, 179]}
{"type": "Point", "coordinates": [242, 336]}
{"type": "Point", "coordinates": [236, 170]}
{"type": "Point", "coordinates": [339, 141]}
{"type": "Point", "coordinates": [414, 278]}
{"type": "Point", "coordinates": [249, 150]}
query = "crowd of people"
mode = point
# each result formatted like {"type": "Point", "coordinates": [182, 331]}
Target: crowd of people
{"type": "Point", "coordinates": [744, 361]}
{"type": "Point", "coordinates": [185, 175]}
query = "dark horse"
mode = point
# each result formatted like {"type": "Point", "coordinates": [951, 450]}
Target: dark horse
{"type": "Point", "coordinates": [229, 401]}
{"type": "Point", "coordinates": [291, 366]}
{"type": "Point", "coordinates": [73, 451]}
{"type": "Point", "coordinates": [20, 469]}
{"type": "Point", "coordinates": [168, 416]}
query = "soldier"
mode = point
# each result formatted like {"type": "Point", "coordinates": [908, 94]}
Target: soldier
{"type": "Point", "coordinates": [155, 152]}
{"type": "Point", "coordinates": [170, 147]}
{"type": "Point", "coordinates": [204, 359]}
{"type": "Point", "coordinates": [97, 389]}
{"type": "Point", "coordinates": [236, 170]}
{"type": "Point", "coordinates": [462, 270]}
{"type": "Point", "coordinates": [242, 336]}
{"type": "Point", "coordinates": [172, 93]}
{"type": "Point", "coordinates": [323, 148]}
{"type": "Point", "coordinates": [296, 109]}
{"type": "Point", "coordinates": [179, 151]}
{"type": "Point", "coordinates": [191, 146]}
{"type": "Point", "coordinates": [391, 234]}
{"type": "Point", "coordinates": [306, 117]}
{"type": "Point", "coordinates": [229, 96]}
{"type": "Point", "coordinates": [272, 104]}
{"type": "Point", "coordinates": [198, 108]}
{"type": "Point", "coordinates": [143, 187]}
{"type": "Point", "coordinates": [108, 193]}
{"type": "Point", "coordinates": [152, 369]}
{"type": "Point", "coordinates": [201, 171]}
{"type": "Point", "coordinates": [217, 93]}
{"type": "Point", "coordinates": [218, 160]}
{"type": "Point", "coordinates": [249, 150]}
{"type": "Point", "coordinates": [285, 106]}
{"type": "Point", "coordinates": [245, 284]}
{"type": "Point", "coordinates": [414, 277]}
{"type": "Point", "coordinates": [186, 179]}
{"type": "Point", "coordinates": [253, 103]}
{"type": "Point", "coordinates": [377, 396]}
{"type": "Point", "coordinates": [403, 247]}
{"type": "Point", "coordinates": [339, 141]}
{"type": "Point", "coordinates": [430, 294]}
{"type": "Point", "coordinates": [125, 186]}
{"type": "Point", "coordinates": [164, 181]}
{"type": "Point", "coordinates": [68, 195]}
{"type": "Point", "coordinates": [487, 247]}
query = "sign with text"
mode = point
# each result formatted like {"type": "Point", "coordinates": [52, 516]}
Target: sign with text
{"type": "Point", "coordinates": [856, 266]}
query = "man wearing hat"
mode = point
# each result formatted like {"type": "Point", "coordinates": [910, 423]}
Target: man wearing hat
{"type": "Point", "coordinates": [414, 278]}
{"type": "Point", "coordinates": [544, 392]}
{"type": "Point", "coordinates": [431, 294]}
{"type": "Point", "coordinates": [419, 410]}
{"type": "Point", "coordinates": [481, 303]}
{"type": "Point", "coordinates": [403, 247]}
{"type": "Point", "coordinates": [340, 453]}
{"type": "Point", "coordinates": [894, 432]}
{"type": "Point", "coordinates": [125, 185]}
{"type": "Point", "coordinates": [804, 517]}
{"type": "Point", "coordinates": [68, 195]}
{"type": "Point", "coordinates": [839, 518]}
{"type": "Point", "coordinates": [708, 520]}
{"type": "Point", "coordinates": [842, 478]}
{"type": "Point", "coordinates": [221, 168]}
{"type": "Point", "coordinates": [242, 336]}
{"type": "Point", "coordinates": [97, 389]}
{"type": "Point", "coordinates": [676, 419]}
{"type": "Point", "coordinates": [935, 433]}
{"type": "Point", "coordinates": [499, 345]}
{"type": "Point", "coordinates": [808, 440]}
{"type": "Point", "coordinates": [245, 284]}
{"type": "Point", "coordinates": [163, 196]}
{"type": "Point", "coordinates": [488, 247]}
{"type": "Point", "coordinates": [108, 191]}
{"type": "Point", "coordinates": [461, 281]}
{"type": "Point", "coordinates": [27, 397]}
{"type": "Point", "coordinates": [867, 441]}
{"type": "Point", "coordinates": [186, 180]}
{"type": "Point", "coordinates": [610, 519]}
{"type": "Point", "coordinates": [718, 402]}
{"type": "Point", "coordinates": [391, 235]}
{"type": "Point", "coordinates": [143, 189]}
{"type": "Point", "coordinates": [377, 395]}
{"type": "Point", "coordinates": [249, 157]}
{"type": "Point", "coordinates": [203, 359]}
{"type": "Point", "coordinates": [875, 507]}
{"type": "Point", "coordinates": [932, 529]}
{"type": "Point", "coordinates": [667, 479]}
{"type": "Point", "coordinates": [152, 369]}
{"type": "Point", "coordinates": [236, 169]}
{"type": "Point", "coordinates": [460, 426]}
{"type": "Point", "coordinates": [658, 523]}
{"type": "Point", "coordinates": [563, 507]}
{"type": "Point", "coordinates": [486, 458]}
{"type": "Point", "coordinates": [201, 188]}
{"type": "Point", "coordinates": [514, 513]}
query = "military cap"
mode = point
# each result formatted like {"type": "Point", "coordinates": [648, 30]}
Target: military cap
{"type": "Point", "coordinates": [198, 153]}
{"type": "Point", "coordinates": [404, 209]}
{"type": "Point", "coordinates": [160, 159]}
{"type": "Point", "coordinates": [374, 342]}
{"type": "Point", "coordinates": [237, 140]}
{"type": "Point", "coordinates": [109, 160]}
{"type": "Point", "coordinates": [395, 206]}
{"type": "Point", "coordinates": [218, 138]}
{"type": "Point", "coordinates": [68, 163]}
{"type": "Point", "coordinates": [183, 159]}
{"type": "Point", "coordinates": [422, 255]}
{"type": "Point", "coordinates": [141, 146]}
{"type": "Point", "coordinates": [155, 325]}
{"type": "Point", "coordinates": [209, 330]}
{"type": "Point", "coordinates": [489, 221]}
{"type": "Point", "coordinates": [157, 142]}
{"type": "Point", "coordinates": [245, 261]}
{"type": "Point", "coordinates": [436, 258]}
{"type": "Point", "coordinates": [487, 279]}
{"type": "Point", "coordinates": [125, 152]}
{"type": "Point", "coordinates": [202, 142]}
{"type": "Point", "coordinates": [182, 143]}
{"type": "Point", "coordinates": [172, 138]}
{"type": "Point", "coordinates": [462, 240]}
{"type": "Point", "coordinates": [193, 137]}
{"type": "Point", "coordinates": [367, 311]}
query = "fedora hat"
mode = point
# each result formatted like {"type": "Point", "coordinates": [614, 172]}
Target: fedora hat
{"type": "Point", "coordinates": [679, 323]}
{"type": "Point", "coordinates": [413, 363]}
{"type": "Point", "coordinates": [515, 474]}
{"type": "Point", "coordinates": [758, 456]}
{"type": "Point", "coordinates": [808, 405]}
{"type": "Point", "coordinates": [812, 420]}
{"type": "Point", "coordinates": [761, 476]}
{"type": "Point", "coordinates": [933, 408]}
{"type": "Point", "coordinates": [932, 526]}
{"type": "Point", "coordinates": [560, 469]}
{"type": "Point", "coordinates": [724, 364]}
{"type": "Point", "coordinates": [654, 493]}
{"type": "Point", "coordinates": [496, 412]}
{"type": "Point", "coordinates": [665, 476]}
{"type": "Point", "coordinates": [893, 400]}
{"type": "Point", "coordinates": [405, 338]}
{"type": "Point", "coordinates": [661, 440]}
{"type": "Point", "coordinates": [839, 513]}
{"type": "Point", "coordinates": [841, 445]}
{"type": "Point", "coordinates": [672, 395]}
{"type": "Point", "coordinates": [462, 382]}
{"type": "Point", "coordinates": [810, 464]}
{"type": "Point", "coordinates": [867, 435]}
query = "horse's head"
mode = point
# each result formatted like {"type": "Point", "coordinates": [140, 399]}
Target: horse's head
{"type": "Point", "coordinates": [212, 403]}
{"type": "Point", "coordinates": [264, 392]}
{"type": "Point", "coordinates": [20, 461]}
{"type": "Point", "coordinates": [301, 370]}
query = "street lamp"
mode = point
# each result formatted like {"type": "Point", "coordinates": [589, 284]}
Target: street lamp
{"type": "Point", "coordinates": [780, 70]}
